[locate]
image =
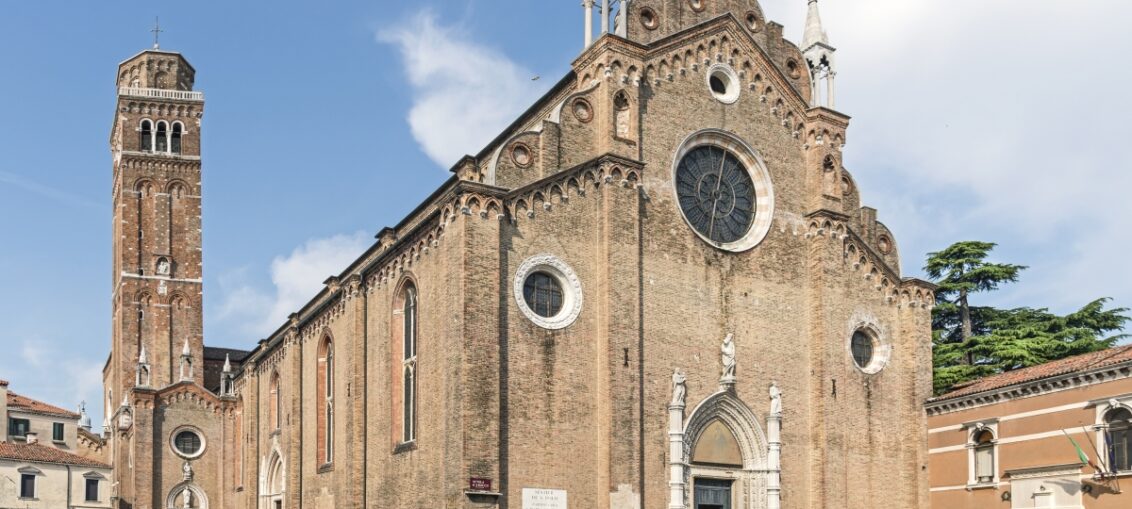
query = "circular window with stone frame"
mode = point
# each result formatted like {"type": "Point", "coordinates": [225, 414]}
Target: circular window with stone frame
{"type": "Point", "coordinates": [649, 19]}
{"type": "Point", "coordinates": [868, 352]}
{"type": "Point", "coordinates": [583, 111]}
{"type": "Point", "coordinates": [697, 5]}
{"type": "Point", "coordinates": [753, 23]}
{"type": "Point", "coordinates": [187, 442]}
{"type": "Point", "coordinates": [521, 155]}
{"type": "Point", "coordinates": [723, 83]}
{"type": "Point", "coordinates": [723, 190]}
{"type": "Point", "coordinates": [548, 292]}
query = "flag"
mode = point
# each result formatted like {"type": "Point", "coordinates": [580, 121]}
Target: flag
{"type": "Point", "coordinates": [1081, 454]}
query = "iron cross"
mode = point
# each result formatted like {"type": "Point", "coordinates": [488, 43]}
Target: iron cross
{"type": "Point", "coordinates": [156, 32]}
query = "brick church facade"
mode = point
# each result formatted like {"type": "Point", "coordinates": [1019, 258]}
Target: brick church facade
{"type": "Point", "coordinates": [658, 288]}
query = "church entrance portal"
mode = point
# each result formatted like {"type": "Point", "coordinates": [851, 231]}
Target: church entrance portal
{"type": "Point", "coordinates": [712, 494]}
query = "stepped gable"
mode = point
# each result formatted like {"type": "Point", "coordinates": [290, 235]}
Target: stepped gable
{"type": "Point", "coordinates": [43, 454]}
{"type": "Point", "coordinates": [1067, 366]}
{"type": "Point", "coordinates": [26, 404]}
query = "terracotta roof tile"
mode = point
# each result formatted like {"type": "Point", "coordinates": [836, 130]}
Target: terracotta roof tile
{"type": "Point", "coordinates": [1066, 366]}
{"type": "Point", "coordinates": [26, 404]}
{"type": "Point", "coordinates": [44, 454]}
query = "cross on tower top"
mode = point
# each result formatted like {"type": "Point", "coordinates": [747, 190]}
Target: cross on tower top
{"type": "Point", "coordinates": [156, 32]}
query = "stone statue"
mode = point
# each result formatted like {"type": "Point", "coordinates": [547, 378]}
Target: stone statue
{"type": "Point", "coordinates": [187, 497]}
{"type": "Point", "coordinates": [775, 399]}
{"type": "Point", "coordinates": [163, 267]}
{"type": "Point", "coordinates": [187, 472]}
{"type": "Point", "coordinates": [728, 356]}
{"type": "Point", "coordinates": [678, 388]}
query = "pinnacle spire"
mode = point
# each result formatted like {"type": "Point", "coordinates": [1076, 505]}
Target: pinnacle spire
{"type": "Point", "coordinates": [227, 363]}
{"type": "Point", "coordinates": [142, 357]}
{"type": "Point", "coordinates": [815, 33]}
{"type": "Point", "coordinates": [185, 351]}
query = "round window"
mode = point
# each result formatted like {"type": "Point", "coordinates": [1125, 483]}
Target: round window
{"type": "Point", "coordinates": [188, 443]}
{"type": "Point", "coordinates": [543, 294]}
{"type": "Point", "coordinates": [724, 83]}
{"type": "Point", "coordinates": [862, 347]}
{"type": "Point", "coordinates": [548, 292]}
{"type": "Point", "coordinates": [723, 190]}
{"type": "Point", "coordinates": [649, 18]}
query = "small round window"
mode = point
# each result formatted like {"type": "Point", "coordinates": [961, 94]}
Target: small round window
{"type": "Point", "coordinates": [862, 347]}
{"type": "Point", "coordinates": [724, 83]}
{"type": "Point", "coordinates": [188, 443]}
{"type": "Point", "coordinates": [548, 291]}
{"type": "Point", "coordinates": [543, 294]}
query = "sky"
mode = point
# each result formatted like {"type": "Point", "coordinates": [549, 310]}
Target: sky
{"type": "Point", "coordinates": [326, 121]}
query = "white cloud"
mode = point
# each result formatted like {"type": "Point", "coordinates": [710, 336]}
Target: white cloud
{"type": "Point", "coordinates": [464, 93]}
{"type": "Point", "coordinates": [48, 370]}
{"type": "Point", "coordinates": [997, 121]}
{"type": "Point", "coordinates": [295, 278]}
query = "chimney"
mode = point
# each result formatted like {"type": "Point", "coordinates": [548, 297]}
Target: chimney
{"type": "Point", "coordinates": [32, 438]}
{"type": "Point", "coordinates": [3, 410]}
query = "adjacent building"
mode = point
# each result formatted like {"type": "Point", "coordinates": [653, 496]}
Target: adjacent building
{"type": "Point", "coordinates": [1011, 440]}
{"type": "Point", "coordinates": [657, 288]}
{"type": "Point", "coordinates": [49, 459]}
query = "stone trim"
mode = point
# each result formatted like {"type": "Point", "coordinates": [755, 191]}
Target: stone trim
{"type": "Point", "coordinates": [1029, 389]}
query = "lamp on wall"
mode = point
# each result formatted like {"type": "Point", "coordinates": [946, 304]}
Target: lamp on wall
{"type": "Point", "coordinates": [1006, 496]}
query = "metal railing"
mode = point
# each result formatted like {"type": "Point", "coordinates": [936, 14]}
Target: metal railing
{"type": "Point", "coordinates": [161, 93]}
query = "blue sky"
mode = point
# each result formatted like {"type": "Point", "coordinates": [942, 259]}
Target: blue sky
{"type": "Point", "coordinates": [326, 121]}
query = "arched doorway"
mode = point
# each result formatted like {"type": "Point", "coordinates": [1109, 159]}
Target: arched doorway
{"type": "Point", "coordinates": [723, 459]}
{"type": "Point", "coordinates": [273, 484]}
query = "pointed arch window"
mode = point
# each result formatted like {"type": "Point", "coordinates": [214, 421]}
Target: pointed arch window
{"type": "Point", "coordinates": [1118, 439]}
{"type": "Point", "coordinates": [161, 141]}
{"type": "Point", "coordinates": [408, 363]}
{"type": "Point", "coordinates": [275, 403]}
{"type": "Point", "coordinates": [175, 138]}
{"type": "Point", "coordinates": [325, 397]}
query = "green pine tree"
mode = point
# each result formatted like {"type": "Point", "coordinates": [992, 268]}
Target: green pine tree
{"type": "Point", "coordinates": [971, 342]}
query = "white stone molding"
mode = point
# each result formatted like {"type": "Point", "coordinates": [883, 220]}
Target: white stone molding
{"type": "Point", "coordinates": [193, 429]}
{"type": "Point", "coordinates": [567, 279]}
{"type": "Point", "coordinates": [971, 429]}
{"type": "Point", "coordinates": [752, 482]}
{"type": "Point", "coordinates": [760, 177]}
{"type": "Point", "coordinates": [940, 406]}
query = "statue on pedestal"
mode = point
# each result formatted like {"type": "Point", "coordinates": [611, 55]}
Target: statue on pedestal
{"type": "Point", "coordinates": [775, 399]}
{"type": "Point", "coordinates": [678, 388]}
{"type": "Point", "coordinates": [727, 352]}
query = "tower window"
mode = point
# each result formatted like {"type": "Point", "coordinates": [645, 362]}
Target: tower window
{"type": "Point", "coordinates": [146, 141]}
{"type": "Point", "coordinates": [162, 139]}
{"type": "Point", "coordinates": [862, 348]}
{"type": "Point", "coordinates": [175, 139]}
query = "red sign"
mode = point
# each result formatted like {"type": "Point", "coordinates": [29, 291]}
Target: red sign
{"type": "Point", "coordinates": [479, 484]}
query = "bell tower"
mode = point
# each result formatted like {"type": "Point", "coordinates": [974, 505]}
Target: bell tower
{"type": "Point", "coordinates": [155, 145]}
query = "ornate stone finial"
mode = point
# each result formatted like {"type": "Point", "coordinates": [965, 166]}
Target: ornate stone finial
{"type": "Point", "coordinates": [679, 389]}
{"type": "Point", "coordinates": [775, 399]}
{"type": "Point", "coordinates": [185, 351]}
{"type": "Point", "coordinates": [142, 358]}
{"type": "Point", "coordinates": [84, 419]}
{"type": "Point", "coordinates": [727, 355]}
{"type": "Point", "coordinates": [227, 363]}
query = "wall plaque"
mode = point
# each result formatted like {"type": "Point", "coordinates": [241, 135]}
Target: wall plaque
{"type": "Point", "coordinates": [479, 484]}
{"type": "Point", "coordinates": [536, 498]}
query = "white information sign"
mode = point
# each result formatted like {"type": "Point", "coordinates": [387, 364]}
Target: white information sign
{"type": "Point", "coordinates": [536, 498]}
